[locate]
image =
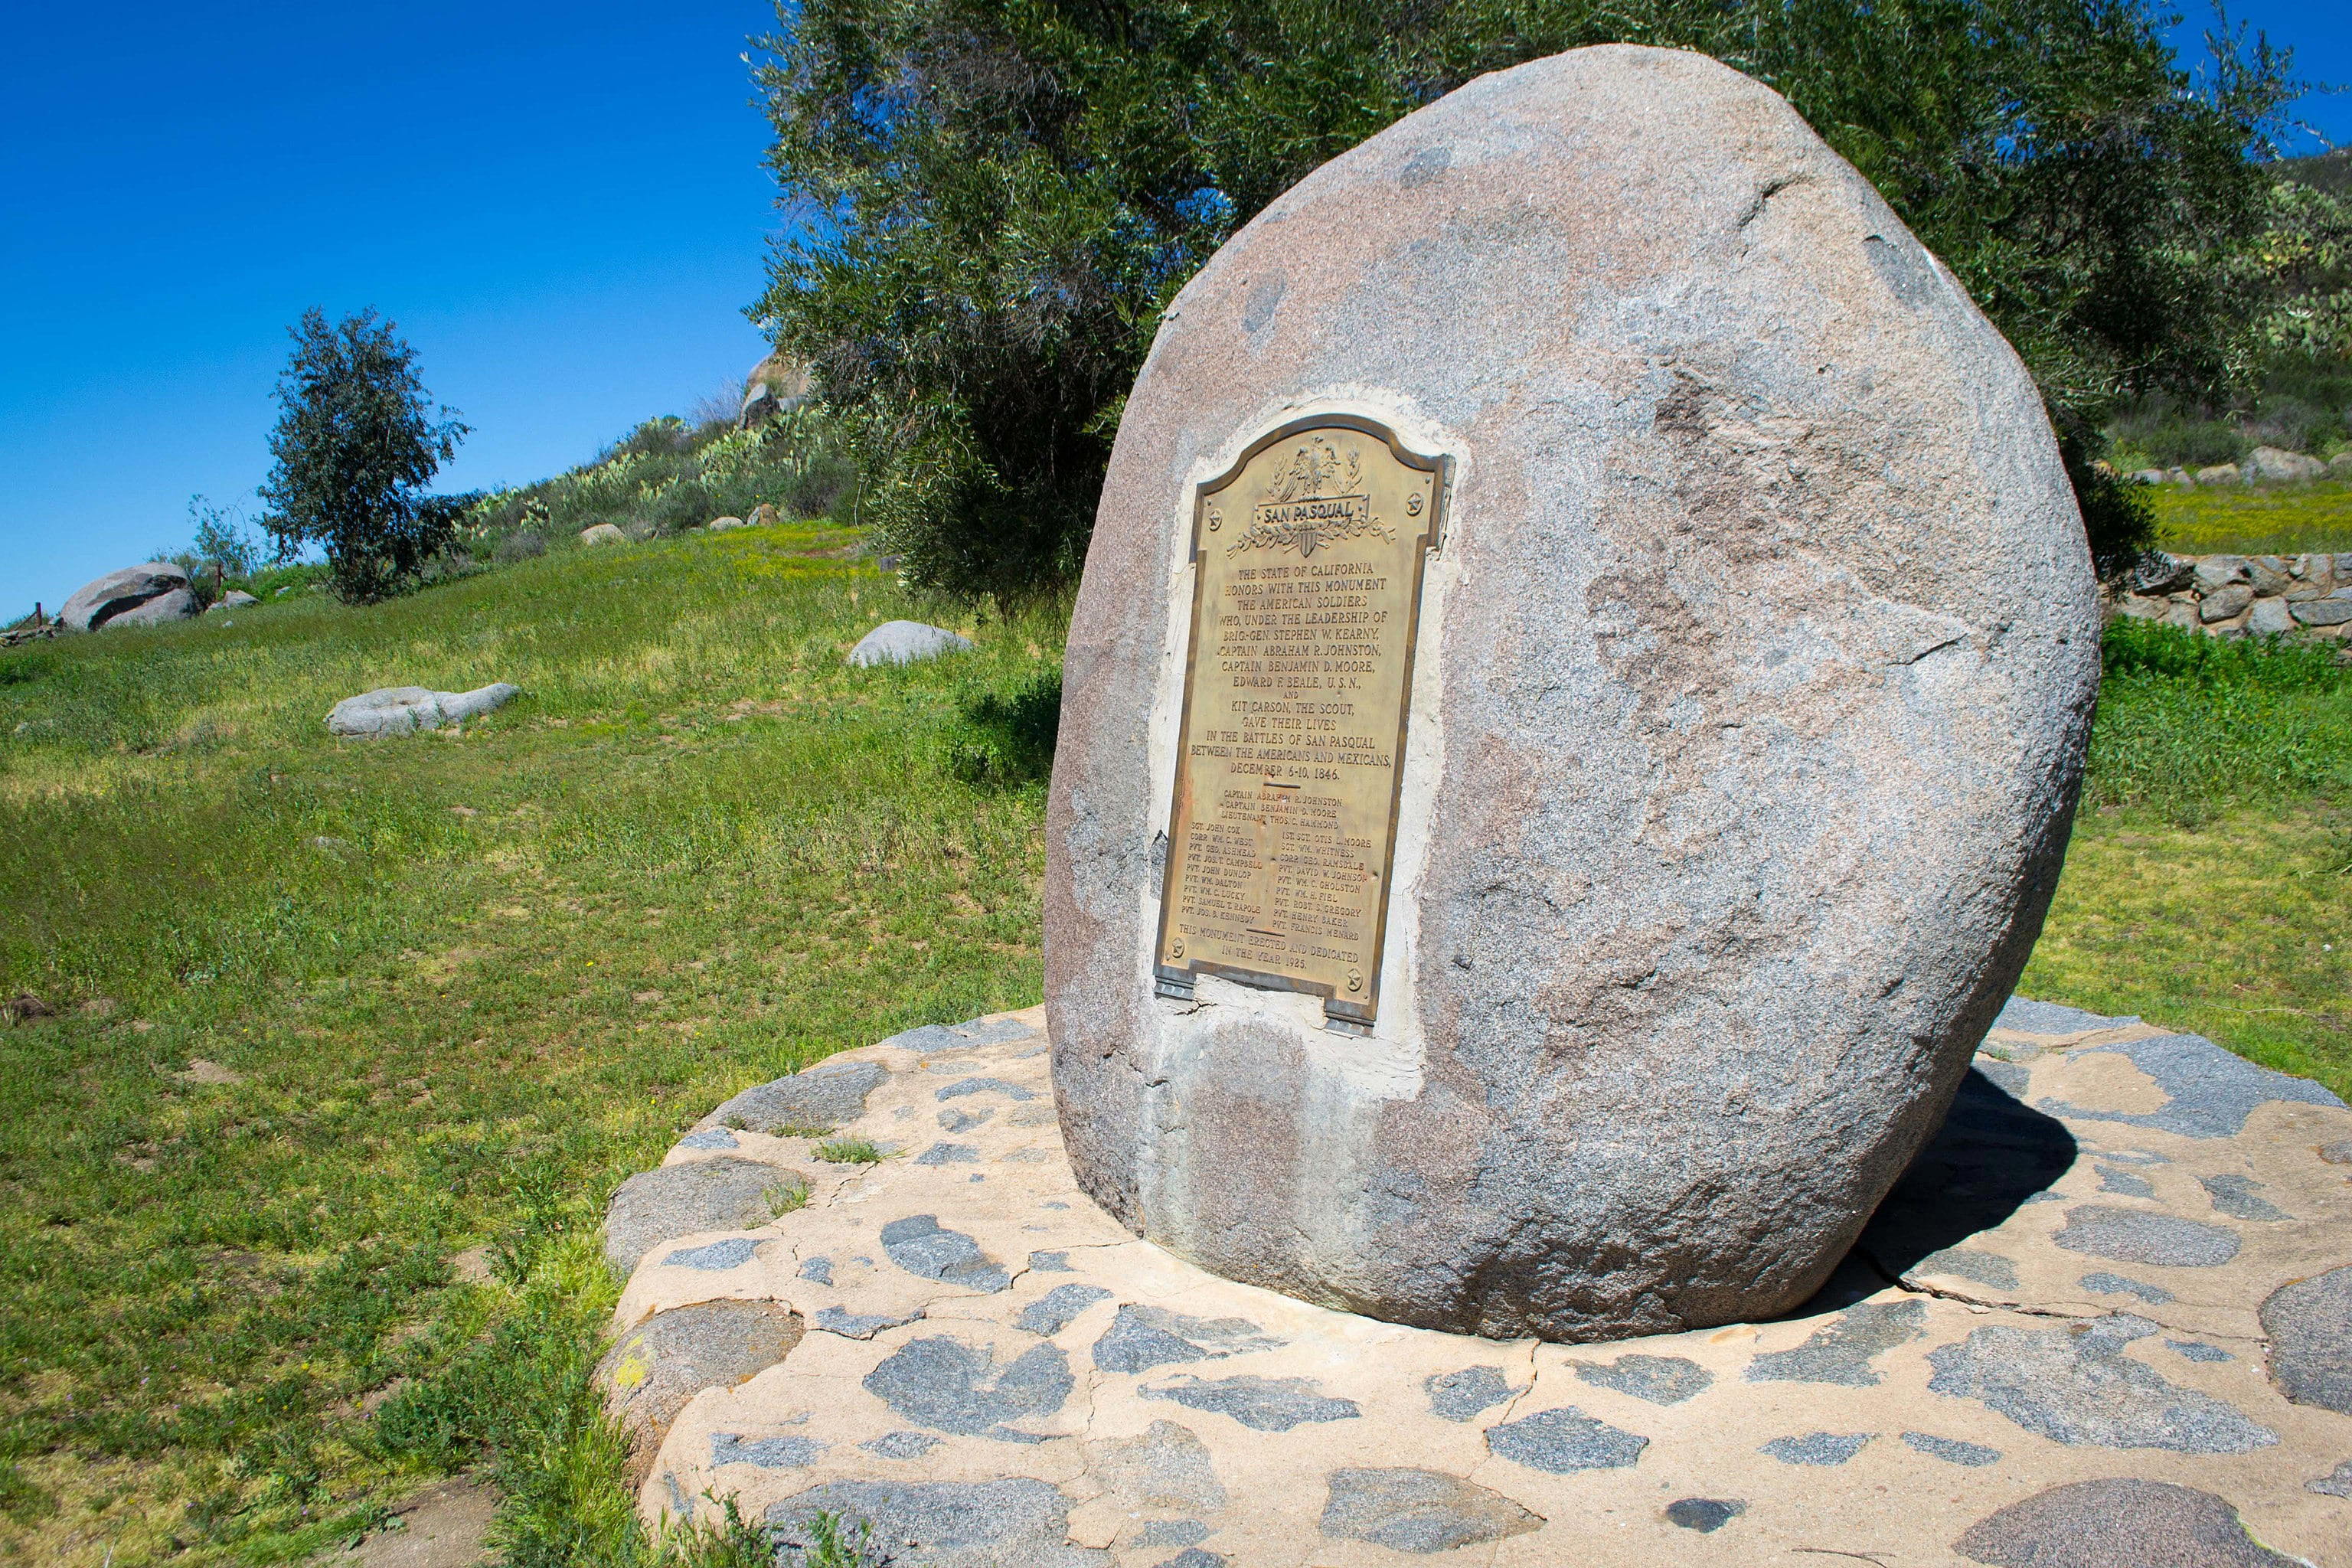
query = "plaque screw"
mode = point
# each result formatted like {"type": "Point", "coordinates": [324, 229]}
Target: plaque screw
{"type": "Point", "coordinates": [1176, 947]}
{"type": "Point", "coordinates": [1355, 980]}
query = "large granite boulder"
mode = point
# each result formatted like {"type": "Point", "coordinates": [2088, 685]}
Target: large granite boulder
{"type": "Point", "coordinates": [136, 595]}
{"type": "Point", "coordinates": [1754, 670]}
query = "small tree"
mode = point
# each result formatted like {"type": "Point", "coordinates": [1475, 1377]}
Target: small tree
{"type": "Point", "coordinates": [356, 442]}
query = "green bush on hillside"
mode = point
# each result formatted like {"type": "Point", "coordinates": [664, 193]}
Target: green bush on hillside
{"type": "Point", "coordinates": [665, 477]}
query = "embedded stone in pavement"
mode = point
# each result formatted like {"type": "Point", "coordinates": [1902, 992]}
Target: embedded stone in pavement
{"type": "Point", "coordinates": [732, 1253]}
{"type": "Point", "coordinates": [1660, 1379]}
{"type": "Point", "coordinates": [1167, 1465]}
{"type": "Point", "coordinates": [1969, 1263]}
{"type": "Point", "coordinates": [901, 1445]}
{"type": "Point", "coordinates": [920, 1245]}
{"type": "Point", "coordinates": [1141, 1338]}
{"type": "Point", "coordinates": [2211, 1092]}
{"type": "Point", "coordinates": [940, 1039]}
{"type": "Point", "coordinates": [985, 1086]}
{"type": "Point", "coordinates": [1058, 1308]}
{"type": "Point", "coordinates": [1952, 1450]}
{"type": "Point", "coordinates": [1842, 1350]}
{"type": "Point", "coordinates": [1565, 1440]}
{"type": "Point", "coordinates": [2143, 1235]}
{"type": "Point", "coordinates": [2075, 1385]}
{"type": "Point", "coordinates": [2310, 1327]}
{"type": "Point", "coordinates": [768, 1453]}
{"type": "Point", "coordinates": [944, 1383]}
{"type": "Point", "coordinates": [2117, 1523]}
{"type": "Point", "coordinates": [1015, 1522]}
{"type": "Point", "coordinates": [653, 1371]}
{"type": "Point", "coordinates": [863, 1325]}
{"type": "Point", "coordinates": [1822, 1448]}
{"type": "Point", "coordinates": [817, 1099]}
{"type": "Point", "coordinates": [1261, 1404]}
{"type": "Point", "coordinates": [1704, 1514]}
{"type": "Point", "coordinates": [2117, 1285]}
{"type": "Point", "coordinates": [2234, 1196]}
{"type": "Point", "coordinates": [1461, 1395]}
{"type": "Point", "coordinates": [1418, 1510]}
{"type": "Point", "coordinates": [652, 1206]}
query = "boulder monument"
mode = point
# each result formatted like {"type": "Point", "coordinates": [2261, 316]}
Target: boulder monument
{"type": "Point", "coordinates": [1570, 723]}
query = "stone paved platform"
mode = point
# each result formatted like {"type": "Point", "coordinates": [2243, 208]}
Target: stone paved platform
{"type": "Point", "coordinates": [2104, 1322]}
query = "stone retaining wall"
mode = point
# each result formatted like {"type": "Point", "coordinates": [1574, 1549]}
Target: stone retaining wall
{"type": "Point", "coordinates": [2233, 595]}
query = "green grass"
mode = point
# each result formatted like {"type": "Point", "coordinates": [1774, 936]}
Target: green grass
{"type": "Point", "coordinates": [2237, 519]}
{"type": "Point", "coordinates": [465, 985]}
{"type": "Point", "coordinates": [2208, 884]}
{"type": "Point", "coordinates": [460, 987]}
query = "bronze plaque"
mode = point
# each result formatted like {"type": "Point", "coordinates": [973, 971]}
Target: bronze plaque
{"type": "Point", "coordinates": [1307, 596]}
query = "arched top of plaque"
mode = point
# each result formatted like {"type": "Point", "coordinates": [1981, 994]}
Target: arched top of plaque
{"type": "Point", "coordinates": [1298, 686]}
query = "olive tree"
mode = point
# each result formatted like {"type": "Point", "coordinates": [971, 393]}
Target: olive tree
{"type": "Point", "coordinates": [357, 440]}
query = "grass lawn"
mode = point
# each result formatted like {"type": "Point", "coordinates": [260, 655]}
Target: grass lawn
{"type": "Point", "coordinates": [445, 992]}
{"type": "Point", "coordinates": [2236, 519]}
{"type": "Point", "coordinates": [298, 1202]}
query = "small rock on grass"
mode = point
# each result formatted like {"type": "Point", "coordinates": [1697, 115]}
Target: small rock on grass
{"type": "Point", "coordinates": [404, 709]}
{"type": "Point", "coordinates": [603, 533]}
{"type": "Point", "coordinates": [904, 642]}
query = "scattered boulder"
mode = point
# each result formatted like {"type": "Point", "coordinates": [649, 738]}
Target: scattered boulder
{"type": "Point", "coordinates": [2277, 466]}
{"type": "Point", "coordinates": [905, 642]}
{"type": "Point", "coordinates": [2340, 466]}
{"type": "Point", "coordinates": [404, 709]}
{"type": "Point", "coordinates": [776, 385]}
{"type": "Point", "coordinates": [2149, 477]}
{"type": "Point", "coordinates": [655, 1369]}
{"type": "Point", "coordinates": [763, 516]}
{"type": "Point", "coordinates": [2219, 474]}
{"type": "Point", "coordinates": [603, 533]}
{"type": "Point", "coordinates": [2180, 476]}
{"type": "Point", "coordinates": [722, 524]}
{"type": "Point", "coordinates": [237, 599]}
{"type": "Point", "coordinates": [119, 594]}
{"type": "Point", "coordinates": [179, 605]}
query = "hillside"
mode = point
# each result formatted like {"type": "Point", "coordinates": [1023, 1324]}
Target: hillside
{"type": "Point", "coordinates": [331, 1015]}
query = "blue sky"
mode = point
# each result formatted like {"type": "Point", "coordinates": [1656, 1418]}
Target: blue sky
{"type": "Point", "coordinates": [563, 208]}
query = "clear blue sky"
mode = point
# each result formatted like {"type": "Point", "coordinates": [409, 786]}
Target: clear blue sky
{"type": "Point", "coordinates": [562, 206]}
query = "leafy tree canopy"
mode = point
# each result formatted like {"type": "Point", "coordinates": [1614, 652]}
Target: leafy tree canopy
{"type": "Point", "coordinates": [1000, 197]}
{"type": "Point", "coordinates": [356, 442]}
